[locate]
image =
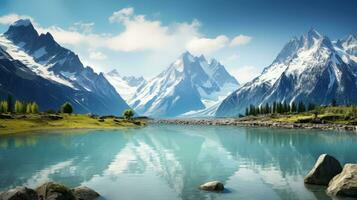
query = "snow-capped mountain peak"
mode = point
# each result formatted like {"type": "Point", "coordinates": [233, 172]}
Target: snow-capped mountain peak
{"type": "Point", "coordinates": [46, 58]}
{"type": "Point", "coordinates": [22, 22]}
{"type": "Point", "coordinates": [349, 44]}
{"type": "Point", "coordinates": [126, 86]}
{"type": "Point", "coordinates": [189, 83]}
{"type": "Point", "coordinates": [22, 33]}
{"type": "Point", "coordinates": [313, 34]}
{"type": "Point", "coordinates": [202, 58]}
{"type": "Point", "coordinates": [113, 72]}
{"type": "Point", "coordinates": [311, 69]}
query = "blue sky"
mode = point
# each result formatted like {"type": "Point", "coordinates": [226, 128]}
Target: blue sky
{"type": "Point", "coordinates": [144, 37]}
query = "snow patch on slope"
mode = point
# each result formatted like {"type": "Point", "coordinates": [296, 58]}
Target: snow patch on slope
{"type": "Point", "coordinates": [18, 54]}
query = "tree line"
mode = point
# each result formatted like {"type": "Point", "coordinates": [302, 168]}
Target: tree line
{"type": "Point", "coordinates": [9, 106]}
{"type": "Point", "coordinates": [279, 107]}
{"type": "Point", "coordinates": [18, 106]}
{"type": "Point", "coordinates": [23, 107]}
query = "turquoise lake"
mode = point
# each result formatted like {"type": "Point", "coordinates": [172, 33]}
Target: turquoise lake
{"type": "Point", "coordinates": [162, 162]}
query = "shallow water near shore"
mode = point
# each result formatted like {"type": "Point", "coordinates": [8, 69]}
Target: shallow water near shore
{"type": "Point", "coordinates": [171, 161]}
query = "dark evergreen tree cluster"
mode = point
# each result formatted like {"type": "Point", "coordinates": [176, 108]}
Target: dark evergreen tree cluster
{"type": "Point", "coordinates": [279, 107]}
{"type": "Point", "coordinates": [67, 108]}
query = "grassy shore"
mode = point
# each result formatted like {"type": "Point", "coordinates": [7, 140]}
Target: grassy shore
{"type": "Point", "coordinates": [344, 115]}
{"type": "Point", "coordinates": [44, 122]}
{"type": "Point", "coordinates": [323, 118]}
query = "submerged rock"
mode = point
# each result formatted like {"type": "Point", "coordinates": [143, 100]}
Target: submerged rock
{"type": "Point", "coordinates": [54, 191]}
{"type": "Point", "coordinates": [345, 183]}
{"type": "Point", "coordinates": [325, 168]}
{"type": "Point", "coordinates": [85, 193]}
{"type": "Point", "coordinates": [19, 193]}
{"type": "Point", "coordinates": [215, 186]}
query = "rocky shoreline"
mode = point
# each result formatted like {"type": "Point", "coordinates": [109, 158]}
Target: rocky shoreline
{"type": "Point", "coordinates": [50, 191]}
{"type": "Point", "coordinates": [256, 123]}
{"type": "Point", "coordinates": [340, 181]}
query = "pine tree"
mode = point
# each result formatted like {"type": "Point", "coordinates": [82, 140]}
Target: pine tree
{"type": "Point", "coordinates": [24, 107]}
{"type": "Point", "coordinates": [67, 108]}
{"type": "Point", "coordinates": [285, 107]}
{"type": "Point", "coordinates": [279, 108]}
{"type": "Point", "coordinates": [301, 107]}
{"type": "Point", "coordinates": [293, 107]}
{"type": "Point", "coordinates": [289, 108]}
{"type": "Point", "coordinates": [267, 109]}
{"type": "Point", "coordinates": [18, 106]}
{"type": "Point", "coordinates": [34, 108]}
{"type": "Point", "coordinates": [311, 106]}
{"type": "Point", "coordinates": [274, 107]}
{"type": "Point", "coordinates": [10, 103]}
{"type": "Point", "coordinates": [252, 109]}
{"type": "Point", "coordinates": [28, 108]}
{"type": "Point", "coordinates": [246, 111]}
{"type": "Point", "coordinates": [4, 107]}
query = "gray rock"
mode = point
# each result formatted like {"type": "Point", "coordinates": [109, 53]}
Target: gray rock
{"type": "Point", "coordinates": [19, 193]}
{"type": "Point", "coordinates": [345, 183]}
{"type": "Point", "coordinates": [326, 167]}
{"type": "Point", "coordinates": [54, 191]}
{"type": "Point", "coordinates": [215, 186]}
{"type": "Point", "coordinates": [85, 193]}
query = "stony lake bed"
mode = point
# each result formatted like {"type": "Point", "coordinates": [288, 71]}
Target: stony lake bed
{"type": "Point", "coordinates": [165, 161]}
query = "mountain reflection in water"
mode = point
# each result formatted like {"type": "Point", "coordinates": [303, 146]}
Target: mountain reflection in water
{"type": "Point", "coordinates": [171, 161]}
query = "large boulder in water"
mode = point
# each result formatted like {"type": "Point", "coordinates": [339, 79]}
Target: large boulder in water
{"type": "Point", "coordinates": [215, 186]}
{"type": "Point", "coordinates": [54, 191]}
{"type": "Point", "coordinates": [326, 167]}
{"type": "Point", "coordinates": [345, 183]}
{"type": "Point", "coordinates": [19, 193]}
{"type": "Point", "coordinates": [85, 193]}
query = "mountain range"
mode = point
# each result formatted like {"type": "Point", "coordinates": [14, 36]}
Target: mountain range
{"type": "Point", "coordinates": [36, 68]}
{"type": "Point", "coordinates": [311, 69]}
{"type": "Point", "coordinates": [125, 85]}
{"type": "Point", "coordinates": [190, 84]}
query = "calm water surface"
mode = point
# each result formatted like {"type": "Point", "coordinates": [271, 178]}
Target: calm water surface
{"type": "Point", "coordinates": [171, 161]}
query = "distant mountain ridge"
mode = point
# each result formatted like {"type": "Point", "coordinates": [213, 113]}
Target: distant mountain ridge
{"type": "Point", "coordinates": [190, 83]}
{"type": "Point", "coordinates": [312, 69]}
{"type": "Point", "coordinates": [125, 85]}
{"type": "Point", "coordinates": [46, 58]}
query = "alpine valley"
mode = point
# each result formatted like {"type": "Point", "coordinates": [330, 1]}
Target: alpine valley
{"type": "Point", "coordinates": [311, 68]}
{"type": "Point", "coordinates": [34, 67]}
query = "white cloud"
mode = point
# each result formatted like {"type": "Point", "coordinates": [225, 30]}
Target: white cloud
{"type": "Point", "coordinates": [246, 73]}
{"type": "Point", "coordinates": [11, 18]}
{"type": "Point", "coordinates": [85, 28]}
{"type": "Point", "coordinates": [139, 33]}
{"type": "Point", "coordinates": [240, 40]}
{"type": "Point", "coordinates": [207, 45]}
{"type": "Point", "coordinates": [121, 15]}
{"type": "Point", "coordinates": [96, 55]}
{"type": "Point", "coordinates": [156, 43]}
{"type": "Point", "coordinates": [74, 37]}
